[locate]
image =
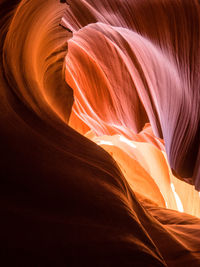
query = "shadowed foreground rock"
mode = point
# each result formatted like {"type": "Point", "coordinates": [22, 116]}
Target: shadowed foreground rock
{"type": "Point", "coordinates": [125, 76]}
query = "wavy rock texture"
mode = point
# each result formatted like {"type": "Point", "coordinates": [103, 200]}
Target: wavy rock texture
{"type": "Point", "coordinates": [99, 118]}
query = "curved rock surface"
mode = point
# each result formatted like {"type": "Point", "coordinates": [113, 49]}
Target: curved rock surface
{"type": "Point", "coordinates": [99, 114]}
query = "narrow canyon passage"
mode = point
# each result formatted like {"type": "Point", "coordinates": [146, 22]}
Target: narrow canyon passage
{"type": "Point", "coordinates": [100, 133]}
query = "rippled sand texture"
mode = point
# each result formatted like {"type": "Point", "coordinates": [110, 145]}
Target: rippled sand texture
{"type": "Point", "coordinates": [100, 133]}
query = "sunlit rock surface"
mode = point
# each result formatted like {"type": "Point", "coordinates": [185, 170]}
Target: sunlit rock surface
{"type": "Point", "coordinates": [100, 133]}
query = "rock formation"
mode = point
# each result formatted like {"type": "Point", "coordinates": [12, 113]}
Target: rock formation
{"type": "Point", "coordinates": [100, 133]}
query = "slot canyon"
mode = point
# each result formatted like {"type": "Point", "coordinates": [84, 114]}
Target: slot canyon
{"type": "Point", "coordinates": [100, 133]}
